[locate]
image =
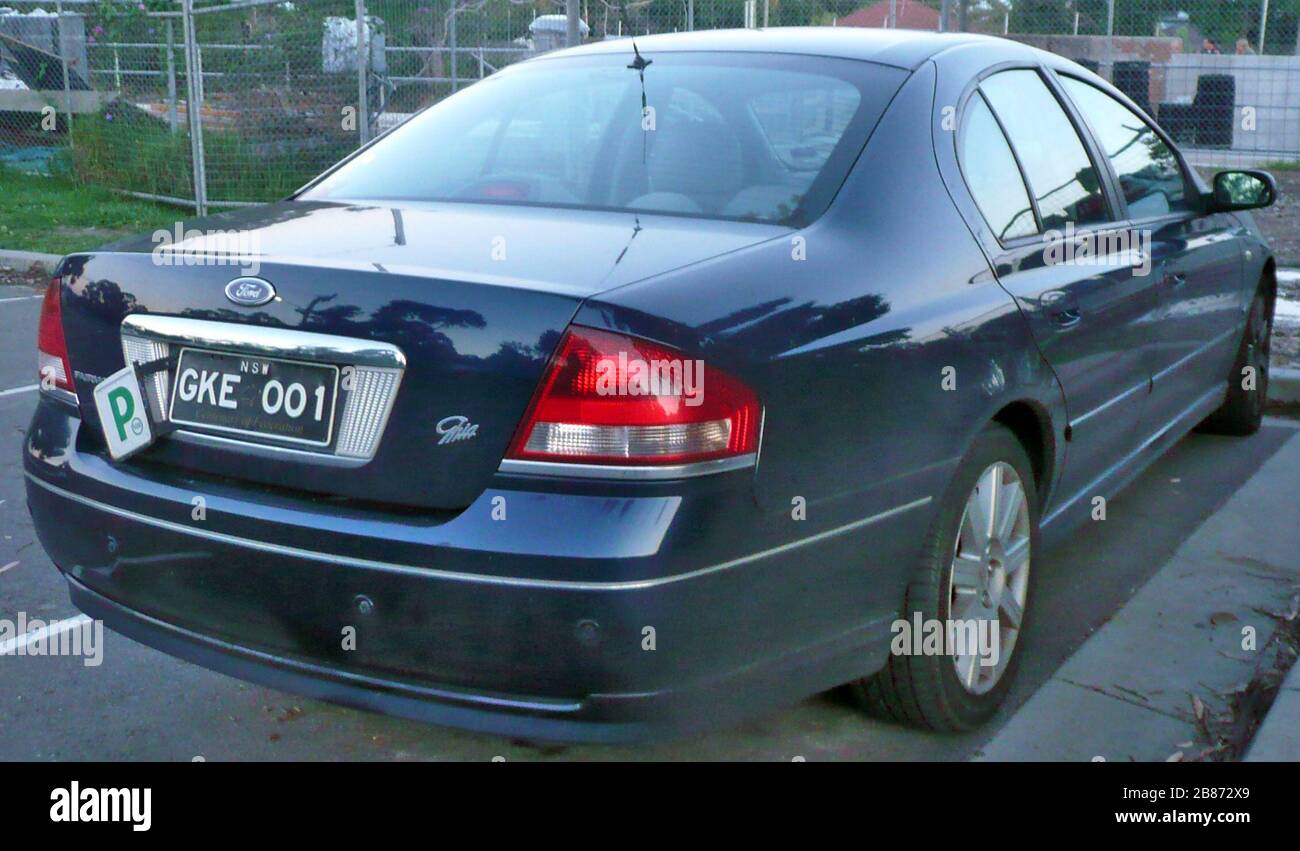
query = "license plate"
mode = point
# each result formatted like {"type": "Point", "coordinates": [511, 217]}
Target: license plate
{"type": "Point", "coordinates": [255, 396]}
{"type": "Point", "coordinates": [123, 414]}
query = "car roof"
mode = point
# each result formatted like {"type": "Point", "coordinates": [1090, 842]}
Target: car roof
{"type": "Point", "coordinates": [906, 49]}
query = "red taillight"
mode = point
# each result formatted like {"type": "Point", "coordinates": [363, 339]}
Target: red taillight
{"type": "Point", "coordinates": [51, 346]}
{"type": "Point", "coordinates": [612, 399]}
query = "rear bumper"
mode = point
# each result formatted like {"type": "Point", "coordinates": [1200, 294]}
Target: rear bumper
{"type": "Point", "coordinates": [577, 616]}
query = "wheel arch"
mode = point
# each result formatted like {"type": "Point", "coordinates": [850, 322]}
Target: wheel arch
{"type": "Point", "coordinates": [1030, 422]}
{"type": "Point", "coordinates": [1268, 283]}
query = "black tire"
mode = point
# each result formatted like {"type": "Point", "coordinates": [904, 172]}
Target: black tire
{"type": "Point", "coordinates": [925, 691]}
{"type": "Point", "coordinates": [1243, 411]}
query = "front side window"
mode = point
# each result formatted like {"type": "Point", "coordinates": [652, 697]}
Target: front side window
{"type": "Point", "coordinates": [992, 174]}
{"type": "Point", "coordinates": [1149, 174]}
{"type": "Point", "coordinates": [755, 137]}
{"type": "Point", "coordinates": [1060, 173]}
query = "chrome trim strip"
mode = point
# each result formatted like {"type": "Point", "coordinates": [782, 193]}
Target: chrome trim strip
{"type": "Point", "coordinates": [58, 394]}
{"type": "Point", "coordinates": [626, 473]}
{"type": "Point", "coordinates": [1146, 384]}
{"type": "Point", "coordinates": [258, 339]}
{"type": "Point", "coordinates": [428, 572]}
{"type": "Point", "coordinates": [1190, 413]}
{"type": "Point", "coordinates": [267, 450]}
{"type": "Point", "coordinates": [1178, 364]}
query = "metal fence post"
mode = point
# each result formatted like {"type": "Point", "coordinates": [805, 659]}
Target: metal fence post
{"type": "Point", "coordinates": [455, 77]}
{"type": "Point", "coordinates": [1110, 40]}
{"type": "Point", "coordinates": [63, 59]}
{"type": "Point", "coordinates": [194, 98]}
{"type": "Point", "coordinates": [363, 69]}
{"type": "Point", "coordinates": [171, 77]}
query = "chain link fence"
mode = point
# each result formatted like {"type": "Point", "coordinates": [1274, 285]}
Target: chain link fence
{"type": "Point", "coordinates": [101, 90]}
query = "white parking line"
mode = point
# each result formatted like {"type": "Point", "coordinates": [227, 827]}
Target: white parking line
{"type": "Point", "coordinates": [55, 629]}
{"type": "Point", "coordinates": [10, 566]}
{"type": "Point", "coordinates": [21, 298]}
{"type": "Point", "coordinates": [16, 390]}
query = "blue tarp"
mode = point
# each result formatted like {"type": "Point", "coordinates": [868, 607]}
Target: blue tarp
{"type": "Point", "coordinates": [30, 160]}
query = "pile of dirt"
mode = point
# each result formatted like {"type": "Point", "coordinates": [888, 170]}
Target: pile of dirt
{"type": "Point", "coordinates": [1280, 222]}
{"type": "Point", "coordinates": [11, 276]}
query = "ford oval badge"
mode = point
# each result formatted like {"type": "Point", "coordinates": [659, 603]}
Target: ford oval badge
{"type": "Point", "coordinates": [250, 292]}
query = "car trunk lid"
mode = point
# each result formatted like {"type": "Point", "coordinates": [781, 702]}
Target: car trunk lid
{"type": "Point", "coordinates": [474, 297]}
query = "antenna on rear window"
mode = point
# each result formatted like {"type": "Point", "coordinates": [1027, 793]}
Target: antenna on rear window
{"type": "Point", "coordinates": [639, 64]}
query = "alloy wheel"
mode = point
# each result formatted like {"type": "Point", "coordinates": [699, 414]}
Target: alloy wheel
{"type": "Point", "coordinates": [989, 579]}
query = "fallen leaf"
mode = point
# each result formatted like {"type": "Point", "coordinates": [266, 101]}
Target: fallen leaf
{"type": "Point", "coordinates": [1222, 617]}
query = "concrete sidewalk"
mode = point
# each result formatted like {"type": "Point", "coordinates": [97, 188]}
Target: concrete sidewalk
{"type": "Point", "coordinates": [1129, 692]}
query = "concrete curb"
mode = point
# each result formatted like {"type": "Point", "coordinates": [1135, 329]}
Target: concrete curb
{"type": "Point", "coordinates": [1278, 737]}
{"type": "Point", "coordinates": [1284, 385]}
{"type": "Point", "coordinates": [23, 261]}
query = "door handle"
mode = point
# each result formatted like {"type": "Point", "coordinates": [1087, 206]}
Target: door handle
{"type": "Point", "coordinates": [1067, 317]}
{"type": "Point", "coordinates": [1175, 279]}
{"type": "Point", "coordinates": [1062, 307]}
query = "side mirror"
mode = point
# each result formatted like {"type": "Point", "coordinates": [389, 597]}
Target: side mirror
{"type": "Point", "coordinates": [1243, 190]}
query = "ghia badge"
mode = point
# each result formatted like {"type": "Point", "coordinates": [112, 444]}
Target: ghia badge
{"type": "Point", "coordinates": [250, 292]}
{"type": "Point", "coordinates": [453, 429]}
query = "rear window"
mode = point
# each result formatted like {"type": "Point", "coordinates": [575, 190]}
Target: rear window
{"type": "Point", "coordinates": [756, 137]}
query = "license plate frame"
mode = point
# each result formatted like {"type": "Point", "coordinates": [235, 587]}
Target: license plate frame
{"type": "Point", "coordinates": [331, 383]}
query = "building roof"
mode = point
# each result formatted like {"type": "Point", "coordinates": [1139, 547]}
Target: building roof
{"type": "Point", "coordinates": [909, 15]}
{"type": "Point", "coordinates": [900, 48]}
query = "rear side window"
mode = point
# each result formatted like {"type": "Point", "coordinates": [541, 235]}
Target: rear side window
{"type": "Point", "coordinates": [993, 176]}
{"type": "Point", "coordinates": [1149, 173]}
{"type": "Point", "coordinates": [1060, 173]}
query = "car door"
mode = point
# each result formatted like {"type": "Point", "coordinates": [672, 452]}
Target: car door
{"type": "Point", "coordinates": [1089, 314]}
{"type": "Point", "coordinates": [1196, 258]}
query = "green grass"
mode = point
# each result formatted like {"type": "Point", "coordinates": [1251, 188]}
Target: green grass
{"type": "Point", "coordinates": [1282, 165]}
{"type": "Point", "coordinates": [125, 149]}
{"type": "Point", "coordinates": [57, 216]}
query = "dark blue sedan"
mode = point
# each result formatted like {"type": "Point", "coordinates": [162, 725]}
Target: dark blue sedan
{"type": "Point", "coordinates": [648, 385]}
